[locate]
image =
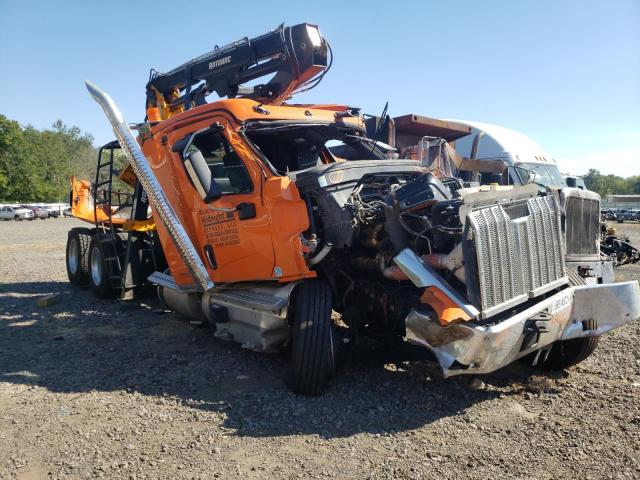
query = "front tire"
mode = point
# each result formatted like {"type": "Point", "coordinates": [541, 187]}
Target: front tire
{"type": "Point", "coordinates": [567, 353]}
{"type": "Point", "coordinates": [313, 339]}
{"type": "Point", "coordinates": [77, 256]}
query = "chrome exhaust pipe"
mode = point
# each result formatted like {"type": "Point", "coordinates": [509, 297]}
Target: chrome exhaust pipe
{"type": "Point", "coordinates": [152, 187]}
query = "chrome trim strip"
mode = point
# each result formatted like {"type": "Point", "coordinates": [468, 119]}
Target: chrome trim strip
{"type": "Point", "coordinates": [152, 187]}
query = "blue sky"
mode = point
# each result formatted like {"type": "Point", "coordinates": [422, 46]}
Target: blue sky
{"type": "Point", "coordinates": [566, 73]}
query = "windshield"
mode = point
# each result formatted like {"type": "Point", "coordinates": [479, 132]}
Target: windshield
{"type": "Point", "coordinates": [294, 147]}
{"type": "Point", "coordinates": [543, 174]}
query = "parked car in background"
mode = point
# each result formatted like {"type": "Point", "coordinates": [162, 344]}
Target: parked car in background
{"type": "Point", "coordinates": [608, 214]}
{"type": "Point", "coordinates": [52, 210]}
{"type": "Point", "coordinates": [67, 212]}
{"type": "Point", "coordinates": [16, 213]}
{"type": "Point", "coordinates": [624, 215]}
{"type": "Point", "coordinates": [38, 212]}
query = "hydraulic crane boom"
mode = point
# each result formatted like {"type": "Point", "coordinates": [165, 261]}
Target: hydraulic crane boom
{"type": "Point", "coordinates": [298, 55]}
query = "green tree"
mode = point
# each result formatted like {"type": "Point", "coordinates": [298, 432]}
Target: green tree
{"type": "Point", "coordinates": [611, 184]}
{"type": "Point", "coordinates": [12, 170]}
{"type": "Point", "coordinates": [36, 165]}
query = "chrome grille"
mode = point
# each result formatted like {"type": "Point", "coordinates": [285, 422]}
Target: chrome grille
{"type": "Point", "coordinates": [582, 226]}
{"type": "Point", "coordinates": [513, 252]}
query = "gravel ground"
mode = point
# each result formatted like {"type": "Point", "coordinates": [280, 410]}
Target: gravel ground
{"type": "Point", "coordinates": [92, 388]}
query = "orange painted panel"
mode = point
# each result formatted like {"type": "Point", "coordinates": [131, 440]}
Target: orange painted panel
{"type": "Point", "coordinates": [266, 247]}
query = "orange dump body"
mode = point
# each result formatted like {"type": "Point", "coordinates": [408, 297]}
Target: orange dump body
{"type": "Point", "coordinates": [82, 208]}
{"type": "Point", "coordinates": [267, 246]}
{"type": "Point", "coordinates": [82, 205]}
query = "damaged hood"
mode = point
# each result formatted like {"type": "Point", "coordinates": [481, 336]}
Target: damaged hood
{"type": "Point", "coordinates": [351, 172]}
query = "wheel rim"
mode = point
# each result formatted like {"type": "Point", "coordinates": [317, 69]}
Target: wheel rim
{"type": "Point", "coordinates": [73, 256]}
{"type": "Point", "coordinates": [96, 266]}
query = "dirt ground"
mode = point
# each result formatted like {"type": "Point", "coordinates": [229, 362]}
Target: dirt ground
{"type": "Point", "coordinates": [92, 388]}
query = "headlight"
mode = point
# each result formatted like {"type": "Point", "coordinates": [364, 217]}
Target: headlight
{"type": "Point", "coordinates": [314, 35]}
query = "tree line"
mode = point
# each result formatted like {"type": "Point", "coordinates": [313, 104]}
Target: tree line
{"type": "Point", "coordinates": [611, 184]}
{"type": "Point", "coordinates": [35, 165]}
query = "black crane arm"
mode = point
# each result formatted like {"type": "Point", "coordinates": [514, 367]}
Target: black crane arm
{"type": "Point", "coordinates": [298, 55]}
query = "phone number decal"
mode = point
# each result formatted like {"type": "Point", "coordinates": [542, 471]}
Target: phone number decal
{"type": "Point", "coordinates": [221, 229]}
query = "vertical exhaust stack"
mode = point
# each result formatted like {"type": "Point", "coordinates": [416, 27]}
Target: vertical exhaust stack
{"type": "Point", "coordinates": [152, 187]}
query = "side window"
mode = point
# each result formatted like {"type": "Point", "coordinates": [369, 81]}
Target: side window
{"type": "Point", "coordinates": [227, 169]}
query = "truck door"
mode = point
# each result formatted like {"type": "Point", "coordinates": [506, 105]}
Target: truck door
{"type": "Point", "coordinates": [232, 222]}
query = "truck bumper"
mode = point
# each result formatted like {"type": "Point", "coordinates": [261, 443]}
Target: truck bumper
{"type": "Point", "coordinates": [470, 348]}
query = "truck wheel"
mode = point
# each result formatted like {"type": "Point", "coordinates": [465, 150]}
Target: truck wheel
{"type": "Point", "coordinates": [17, 218]}
{"type": "Point", "coordinates": [567, 353]}
{"type": "Point", "coordinates": [77, 255]}
{"type": "Point", "coordinates": [99, 269]}
{"type": "Point", "coordinates": [313, 340]}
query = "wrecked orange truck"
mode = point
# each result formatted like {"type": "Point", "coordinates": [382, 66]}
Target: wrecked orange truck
{"type": "Point", "coordinates": [264, 218]}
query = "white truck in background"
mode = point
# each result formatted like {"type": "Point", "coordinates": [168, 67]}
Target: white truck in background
{"type": "Point", "coordinates": [526, 162]}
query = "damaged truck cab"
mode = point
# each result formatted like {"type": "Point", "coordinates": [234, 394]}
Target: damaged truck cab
{"type": "Point", "coordinates": [248, 219]}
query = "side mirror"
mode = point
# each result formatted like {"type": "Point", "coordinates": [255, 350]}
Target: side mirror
{"type": "Point", "coordinates": [571, 182]}
{"type": "Point", "coordinates": [201, 177]}
{"type": "Point", "coordinates": [526, 176]}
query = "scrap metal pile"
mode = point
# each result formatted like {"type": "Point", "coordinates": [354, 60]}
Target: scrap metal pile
{"type": "Point", "coordinates": [617, 247]}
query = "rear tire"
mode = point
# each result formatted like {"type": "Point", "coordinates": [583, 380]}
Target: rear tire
{"type": "Point", "coordinates": [77, 256]}
{"type": "Point", "coordinates": [313, 339]}
{"type": "Point", "coordinates": [99, 269]}
{"type": "Point", "coordinates": [567, 353]}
